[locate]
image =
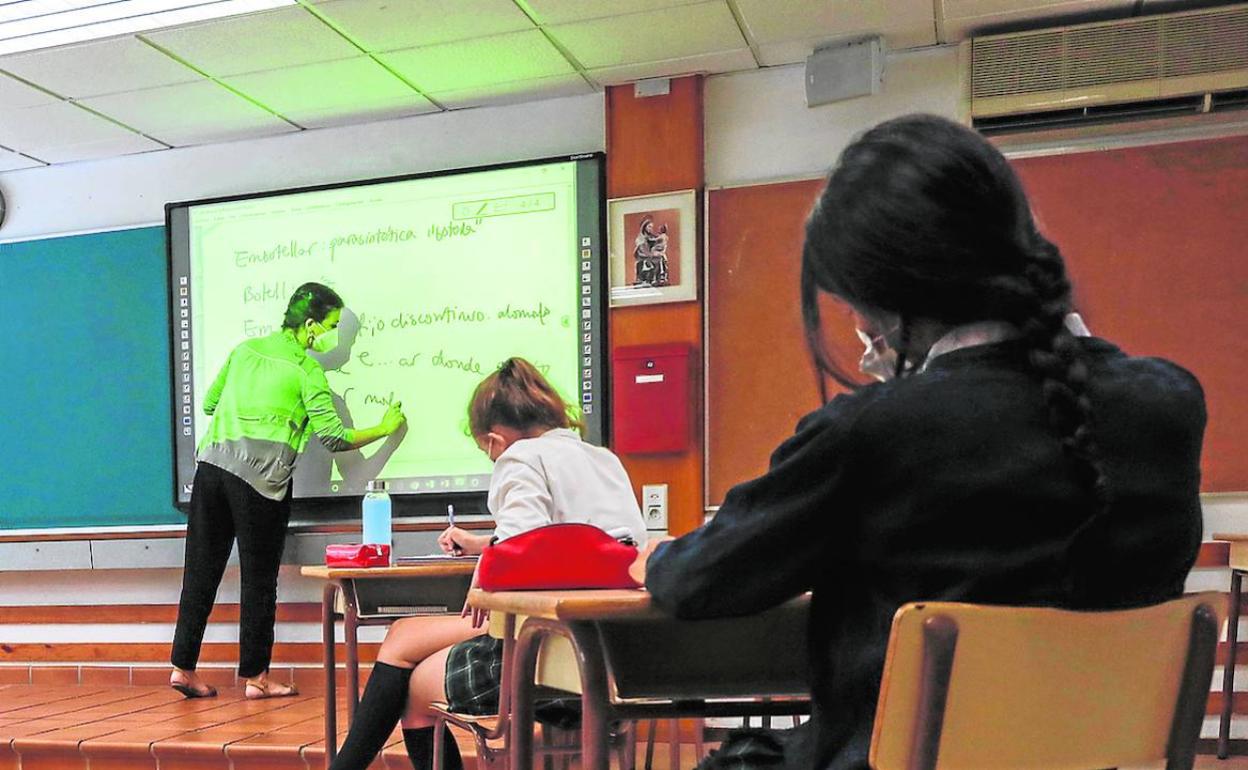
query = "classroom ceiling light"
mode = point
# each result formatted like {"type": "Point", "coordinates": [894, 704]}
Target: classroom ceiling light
{"type": "Point", "coordinates": [27, 25]}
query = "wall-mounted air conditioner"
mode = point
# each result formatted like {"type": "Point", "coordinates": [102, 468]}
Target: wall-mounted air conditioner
{"type": "Point", "coordinates": [1181, 63]}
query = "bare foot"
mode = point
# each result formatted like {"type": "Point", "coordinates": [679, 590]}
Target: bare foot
{"type": "Point", "coordinates": [189, 684]}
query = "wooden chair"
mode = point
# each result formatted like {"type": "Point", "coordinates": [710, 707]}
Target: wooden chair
{"type": "Point", "coordinates": [489, 733]}
{"type": "Point", "coordinates": [972, 686]}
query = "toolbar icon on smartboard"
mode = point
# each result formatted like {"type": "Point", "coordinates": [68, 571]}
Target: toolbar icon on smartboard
{"type": "Point", "coordinates": [182, 279]}
{"type": "Point", "coordinates": [584, 242]}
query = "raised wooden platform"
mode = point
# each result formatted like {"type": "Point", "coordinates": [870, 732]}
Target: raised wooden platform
{"type": "Point", "coordinates": [83, 727]}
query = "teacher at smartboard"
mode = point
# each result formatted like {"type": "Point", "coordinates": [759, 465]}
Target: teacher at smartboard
{"type": "Point", "coordinates": [265, 403]}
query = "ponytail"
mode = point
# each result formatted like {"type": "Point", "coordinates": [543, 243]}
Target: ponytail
{"type": "Point", "coordinates": [517, 396]}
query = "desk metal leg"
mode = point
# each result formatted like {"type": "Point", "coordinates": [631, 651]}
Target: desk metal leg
{"type": "Point", "coordinates": [595, 711]}
{"type": "Point", "coordinates": [328, 597]}
{"type": "Point", "coordinates": [350, 626]}
{"type": "Point", "coordinates": [1228, 671]}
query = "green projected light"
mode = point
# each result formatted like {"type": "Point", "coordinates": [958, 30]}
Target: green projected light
{"type": "Point", "coordinates": [443, 278]}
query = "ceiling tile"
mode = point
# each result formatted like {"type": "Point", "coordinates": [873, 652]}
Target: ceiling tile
{"type": "Point", "coordinates": [331, 92]}
{"type": "Point", "coordinates": [192, 113]}
{"type": "Point", "coordinates": [514, 92]}
{"type": "Point", "coordinates": [479, 62]}
{"type": "Point", "coordinates": [14, 95]}
{"type": "Point", "coordinates": [651, 36]}
{"type": "Point", "coordinates": [903, 23]}
{"type": "Point", "coordinates": [713, 63]}
{"type": "Point", "coordinates": [386, 25]}
{"type": "Point", "coordinates": [255, 42]}
{"type": "Point", "coordinates": [12, 161]}
{"type": "Point", "coordinates": [102, 67]}
{"type": "Point", "coordinates": [564, 11]}
{"type": "Point", "coordinates": [62, 132]}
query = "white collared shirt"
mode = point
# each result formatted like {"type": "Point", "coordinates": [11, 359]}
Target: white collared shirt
{"type": "Point", "coordinates": [988, 332]}
{"type": "Point", "coordinates": [557, 477]}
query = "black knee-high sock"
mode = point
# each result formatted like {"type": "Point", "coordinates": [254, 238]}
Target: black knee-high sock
{"type": "Point", "coordinates": [384, 698]}
{"type": "Point", "coordinates": [419, 742]}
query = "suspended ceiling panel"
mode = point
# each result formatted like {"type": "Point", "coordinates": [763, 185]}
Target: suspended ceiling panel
{"type": "Point", "coordinates": [514, 92]}
{"type": "Point", "coordinates": [14, 95]}
{"type": "Point", "coordinates": [389, 25]}
{"type": "Point", "coordinates": [673, 33]}
{"type": "Point", "coordinates": [787, 32]}
{"type": "Point", "coordinates": [61, 133]}
{"type": "Point", "coordinates": [563, 11]}
{"type": "Point", "coordinates": [710, 63]}
{"type": "Point", "coordinates": [12, 161]}
{"type": "Point", "coordinates": [191, 113]}
{"type": "Point", "coordinates": [332, 93]}
{"type": "Point", "coordinates": [256, 42]}
{"type": "Point", "coordinates": [479, 62]}
{"type": "Point", "coordinates": [102, 67]}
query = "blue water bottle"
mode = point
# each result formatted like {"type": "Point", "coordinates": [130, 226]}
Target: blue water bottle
{"type": "Point", "coordinates": [377, 515]}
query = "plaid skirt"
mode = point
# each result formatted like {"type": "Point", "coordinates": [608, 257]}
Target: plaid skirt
{"type": "Point", "coordinates": [473, 680]}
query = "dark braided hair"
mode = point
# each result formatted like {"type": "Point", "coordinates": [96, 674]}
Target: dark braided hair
{"type": "Point", "coordinates": [923, 218]}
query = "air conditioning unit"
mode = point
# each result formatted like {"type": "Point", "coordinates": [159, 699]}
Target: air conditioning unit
{"type": "Point", "coordinates": [1180, 63]}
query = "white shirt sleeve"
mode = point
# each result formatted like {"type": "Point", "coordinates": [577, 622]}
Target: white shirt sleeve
{"type": "Point", "coordinates": [519, 497]}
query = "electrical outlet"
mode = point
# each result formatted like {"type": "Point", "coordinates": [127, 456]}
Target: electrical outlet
{"type": "Point", "coordinates": [654, 506]}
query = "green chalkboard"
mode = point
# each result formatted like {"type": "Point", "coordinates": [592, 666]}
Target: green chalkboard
{"type": "Point", "coordinates": [85, 403]}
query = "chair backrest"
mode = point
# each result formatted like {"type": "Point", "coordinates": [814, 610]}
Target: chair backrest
{"type": "Point", "coordinates": [971, 686]}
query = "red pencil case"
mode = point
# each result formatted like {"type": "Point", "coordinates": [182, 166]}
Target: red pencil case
{"type": "Point", "coordinates": [557, 556]}
{"type": "Point", "coordinates": [357, 555]}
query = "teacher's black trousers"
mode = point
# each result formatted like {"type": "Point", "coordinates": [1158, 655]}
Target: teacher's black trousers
{"type": "Point", "coordinates": [223, 508]}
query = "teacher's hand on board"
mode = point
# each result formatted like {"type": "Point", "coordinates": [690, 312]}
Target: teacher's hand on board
{"type": "Point", "coordinates": [393, 419]}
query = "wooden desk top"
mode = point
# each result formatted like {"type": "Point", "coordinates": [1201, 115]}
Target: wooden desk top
{"type": "Point", "coordinates": [432, 568]}
{"type": "Point", "coordinates": [1231, 537]}
{"type": "Point", "coordinates": [567, 605]}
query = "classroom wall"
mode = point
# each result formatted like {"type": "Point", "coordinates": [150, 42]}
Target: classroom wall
{"type": "Point", "coordinates": [759, 128]}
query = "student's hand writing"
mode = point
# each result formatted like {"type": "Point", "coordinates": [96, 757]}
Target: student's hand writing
{"type": "Point", "coordinates": [456, 542]}
{"type": "Point", "coordinates": [637, 570]}
{"type": "Point", "coordinates": [479, 616]}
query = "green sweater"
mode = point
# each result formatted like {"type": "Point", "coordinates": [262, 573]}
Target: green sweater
{"type": "Point", "coordinates": [263, 403]}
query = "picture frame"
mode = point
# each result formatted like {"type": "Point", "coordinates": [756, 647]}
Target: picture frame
{"type": "Point", "coordinates": [653, 247]}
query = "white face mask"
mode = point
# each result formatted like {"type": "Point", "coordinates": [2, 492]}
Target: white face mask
{"type": "Point", "coordinates": [878, 360]}
{"type": "Point", "coordinates": [325, 341]}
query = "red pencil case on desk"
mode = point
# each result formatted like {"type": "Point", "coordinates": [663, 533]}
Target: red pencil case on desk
{"type": "Point", "coordinates": [357, 555]}
{"type": "Point", "coordinates": [557, 556]}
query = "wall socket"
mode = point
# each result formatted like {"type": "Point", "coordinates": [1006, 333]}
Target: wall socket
{"type": "Point", "coordinates": [654, 506]}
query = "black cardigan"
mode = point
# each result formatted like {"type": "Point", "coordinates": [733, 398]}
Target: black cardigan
{"type": "Point", "coordinates": [948, 485]}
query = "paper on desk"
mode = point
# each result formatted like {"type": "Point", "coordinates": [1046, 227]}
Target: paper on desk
{"type": "Point", "coordinates": [430, 557]}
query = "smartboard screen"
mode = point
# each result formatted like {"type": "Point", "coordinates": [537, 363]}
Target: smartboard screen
{"type": "Point", "coordinates": [443, 276]}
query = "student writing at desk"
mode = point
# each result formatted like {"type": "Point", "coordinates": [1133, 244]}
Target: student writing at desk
{"type": "Point", "coordinates": [543, 474]}
{"type": "Point", "coordinates": [266, 402]}
{"type": "Point", "coordinates": [1003, 460]}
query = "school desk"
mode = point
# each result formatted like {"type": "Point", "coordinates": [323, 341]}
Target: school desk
{"type": "Point", "coordinates": [632, 661]}
{"type": "Point", "coordinates": [379, 596]}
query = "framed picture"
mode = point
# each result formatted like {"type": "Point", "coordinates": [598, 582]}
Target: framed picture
{"type": "Point", "coordinates": [654, 248]}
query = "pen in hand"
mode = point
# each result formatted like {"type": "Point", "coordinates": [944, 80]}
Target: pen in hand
{"type": "Point", "coordinates": [456, 550]}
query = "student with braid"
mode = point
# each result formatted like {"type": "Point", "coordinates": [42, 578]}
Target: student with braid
{"type": "Point", "coordinates": [543, 474]}
{"type": "Point", "coordinates": [1003, 460]}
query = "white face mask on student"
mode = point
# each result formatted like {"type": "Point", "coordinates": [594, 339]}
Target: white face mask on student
{"type": "Point", "coordinates": [878, 360]}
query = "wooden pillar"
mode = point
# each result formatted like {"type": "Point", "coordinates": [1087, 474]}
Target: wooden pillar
{"type": "Point", "coordinates": [654, 145]}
